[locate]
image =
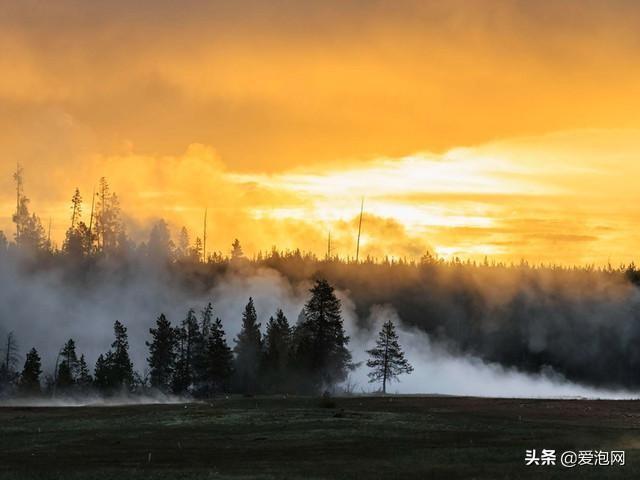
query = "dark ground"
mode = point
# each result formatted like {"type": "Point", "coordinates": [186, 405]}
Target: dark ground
{"type": "Point", "coordinates": [301, 438]}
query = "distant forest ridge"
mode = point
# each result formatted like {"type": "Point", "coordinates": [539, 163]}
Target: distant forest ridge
{"type": "Point", "coordinates": [104, 234]}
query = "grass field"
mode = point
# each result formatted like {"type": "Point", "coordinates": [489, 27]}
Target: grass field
{"type": "Point", "coordinates": [302, 438]}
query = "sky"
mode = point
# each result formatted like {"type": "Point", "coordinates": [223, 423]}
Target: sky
{"type": "Point", "coordinates": [506, 129]}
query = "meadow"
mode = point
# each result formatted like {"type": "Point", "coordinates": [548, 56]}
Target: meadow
{"type": "Point", "coordinates": [318, 438]}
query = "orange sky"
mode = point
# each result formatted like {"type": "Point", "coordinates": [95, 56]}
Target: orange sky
{"type": "Point", "coordinates": [499, 128]}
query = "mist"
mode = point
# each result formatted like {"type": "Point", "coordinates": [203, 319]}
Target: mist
{"type": "Point", "coordinates": [94, 400]}
{"type": "Point", "coordinates": [441, 370]}
{"type": "Point", "coordinates": [44, 307]}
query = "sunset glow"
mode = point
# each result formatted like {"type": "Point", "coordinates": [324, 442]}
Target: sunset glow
{"type": "Point", "coordinates": [508, 132]}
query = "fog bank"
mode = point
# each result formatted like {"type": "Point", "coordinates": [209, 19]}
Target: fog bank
{"type": "Point", "coordinates": [46, 307]}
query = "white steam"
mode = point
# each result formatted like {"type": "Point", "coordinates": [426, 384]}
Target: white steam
{"type": "Point", "coordinates": [44, 310]}
{"type": "Point", "coordinates": [438, 370]}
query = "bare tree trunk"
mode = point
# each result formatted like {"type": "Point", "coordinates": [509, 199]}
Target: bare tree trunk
{"type": "Point", "coordinates": [204, 242]}
{"type": "Point", "coordinates": [359, 230]}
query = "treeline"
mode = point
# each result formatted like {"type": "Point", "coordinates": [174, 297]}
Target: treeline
{"type": "Point", "coordinates": [103, 235]}
{"type": "Point", "coordinates": [195, 359]}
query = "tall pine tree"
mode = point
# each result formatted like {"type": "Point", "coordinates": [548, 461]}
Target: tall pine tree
{"type": "Point", "coordinates": [200, 374]}
{"type": "Point", "coordinates": [248, 350]}
{"type": "Point", "coordinates": [321, 350]}
{"type": "Point", "coordinates": [162, 354]}
{"type": "Point", "coordinates": [78, 239]}
{"type": "Point", "coordinates": [68, 366]}
{"type": "Point", "coordinates": [121, 366]}
{"type": "Point", "coordinates": [101, 374]}
{"type": "Point", "coordinates": [188, 340]}
{"type": "Point", "coordinates": [219, 360]}
{"type": "Point", "coordinates": [277, 350]}
{"type": "Point", "coordinates": [108, 224]}
{"type": "Point", "coordinates": [84, 381]}
{"type": "Point", "coordinates": [114, 370]}
{"type": "Point", "coordinates": [30, 376]}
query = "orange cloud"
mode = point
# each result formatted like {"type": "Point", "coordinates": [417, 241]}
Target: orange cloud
{"type": "Point", "coordinates": [505, 128]}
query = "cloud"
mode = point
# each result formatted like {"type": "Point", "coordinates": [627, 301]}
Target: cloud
{"type": "Point", "coordinates": [565, 198]}
{"type": "Point", "coordinates": [274, 86]}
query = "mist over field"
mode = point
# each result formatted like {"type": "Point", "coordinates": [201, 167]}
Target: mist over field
{"type": "Point", "coordinates": [467, 330]}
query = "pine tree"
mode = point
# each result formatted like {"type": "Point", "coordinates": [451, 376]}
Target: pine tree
{"type": "Point", "coordinates": [160, 246]}
{"type": "Point", "coordinates": [277, 349]}
{"type": "Point", "coordinates": [219, 360]}
{"type": "Point", "coordinates": [76, 208]}
{"type": "Point", "coordinates": [114, 370]}
{"type": "Point", "coordinates": [188, 339]}
{"type": "Point", "coordinates": [248, 349]}
{"type": "Point", "coordinates": [121, 366]}
{"type": "Point", "coordinates": [180, 381]}
{"type": "Point", "coordinates": [387, 360]}
{"type": "Point", "coordinates": [30, 376]}
{"type": "Point", "coordinates": [162, 354]}
{"type": "Point", "coordinates": [200, 350]}
{"type": "Point", "coordinates": [68, 366]}
{"type": "Point", "coordinates": [182, 250]}
{"type": "Point", "coordinates": [78, 239]}
{"type": "Point", "coordinates": [101, 373]}
{"type": "Point", "coordinates": [321, 349]}
{"type": "Point", "coordinates": [84, 380]}
{"type": "Point", "coordinates": [196, 250]}
{"type": "Point", "coordinates": [108, 223]}
{"type": "Point", "coordinates": [205, 323]}
{"type": "Point", "coordinates": [236, 250]}
{"type": "Point", "coordinates": [32, 236]}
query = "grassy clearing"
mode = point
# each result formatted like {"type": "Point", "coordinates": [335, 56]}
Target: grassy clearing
{"type": "Point", "coordinates": [298, 438]}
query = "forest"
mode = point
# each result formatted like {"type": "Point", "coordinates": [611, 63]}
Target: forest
{"type": "Point", "coordinates": [581, 323]}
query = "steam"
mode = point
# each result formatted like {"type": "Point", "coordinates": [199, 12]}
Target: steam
{"type": "Point", "coordinates": [46, 307]}
{"type": "Point", "coordinates": [95, 401]}
{"type": "Point", "coordinates": [440, 370]}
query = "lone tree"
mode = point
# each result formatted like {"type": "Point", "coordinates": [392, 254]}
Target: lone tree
{"type": "Point", "coordinates": [30, 376]}
{"type": "Point", "coordinates": [387, 358]}
{"type": "Point", "coordinates": [162, 354]}
{"type": "Point", "coordinates": [248, 349]}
